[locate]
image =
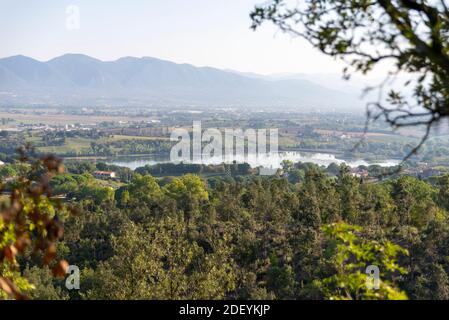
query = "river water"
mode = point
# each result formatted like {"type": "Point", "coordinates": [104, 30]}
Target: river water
{"type": "Point", "coordinates": [266, 161]}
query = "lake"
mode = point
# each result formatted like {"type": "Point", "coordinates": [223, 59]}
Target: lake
{"type": "Point", "coordinates": [267, 161]}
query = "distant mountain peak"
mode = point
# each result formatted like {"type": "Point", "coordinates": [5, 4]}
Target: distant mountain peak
{"type": "Point", "coordinates": [74, 57]}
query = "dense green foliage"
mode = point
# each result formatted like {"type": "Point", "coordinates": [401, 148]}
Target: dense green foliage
{"type": "Point", "coordinates": [30, 223]}
{"type": "Point", "coordinates": [257, 237]}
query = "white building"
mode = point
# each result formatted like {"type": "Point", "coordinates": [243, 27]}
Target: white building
{"type": "Point", "coordinates": [104, 174]}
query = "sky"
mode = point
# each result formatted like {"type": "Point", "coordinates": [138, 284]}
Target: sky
{"type": "Point", "coordinates": [212, 33]}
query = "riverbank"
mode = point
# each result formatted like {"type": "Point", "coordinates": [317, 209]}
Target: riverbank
{"type": "Point", "coordinates": [266, 161]}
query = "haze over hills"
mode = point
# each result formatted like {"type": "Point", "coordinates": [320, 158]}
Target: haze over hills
{"type": "Point", "coordinates": [75, 79]}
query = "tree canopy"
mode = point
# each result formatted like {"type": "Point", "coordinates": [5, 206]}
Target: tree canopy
{"type": "Point", "coordinates": [411, 36]}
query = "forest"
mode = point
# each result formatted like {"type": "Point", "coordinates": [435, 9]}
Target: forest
{"type": "Point", "coordinates": [233, 237]}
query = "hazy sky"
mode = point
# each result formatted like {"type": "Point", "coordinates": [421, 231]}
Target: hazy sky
{"type": "Point", "coordinates": [201, 32]}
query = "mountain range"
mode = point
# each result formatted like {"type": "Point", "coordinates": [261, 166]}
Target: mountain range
{"type": "Point", "coordinates": [76, 79]}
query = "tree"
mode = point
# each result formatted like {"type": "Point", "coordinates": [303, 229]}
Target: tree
{"type": "Point", "coordinates": [142, 189]}
{"type": "Point", "coordinates": [7, 171]}
{"type": "Point", "coordinates": [414, 201]}
{"type": "Point", "coordinates": [350, 255]}
{"type": "Point", "coordinates": [97, 194]}
{"type": "Point", "coordinates": [45, 286]}
{"type": "Point", "coordinates": [30, 221]}
{"type": "Point", "coordinates": [287, 165]}
{"type": "Point", "coordinates": [409, 35]}
{"type": "Point", "coordinates": [159, 262]}
{"type": "Point", "coordinates": [443, 194]}
{"type": "Point", "coordinates": [188, 191]}
{"type": "Point", "coordinates": [348, 187]}
{"type": "Point", "coordinates": [124, 199]}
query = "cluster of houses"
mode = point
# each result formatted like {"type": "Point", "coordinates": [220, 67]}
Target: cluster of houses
{"type": "Point", "coordinates": [423, 172]}
{"type": "Point", "coordinates": [359, 172]}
